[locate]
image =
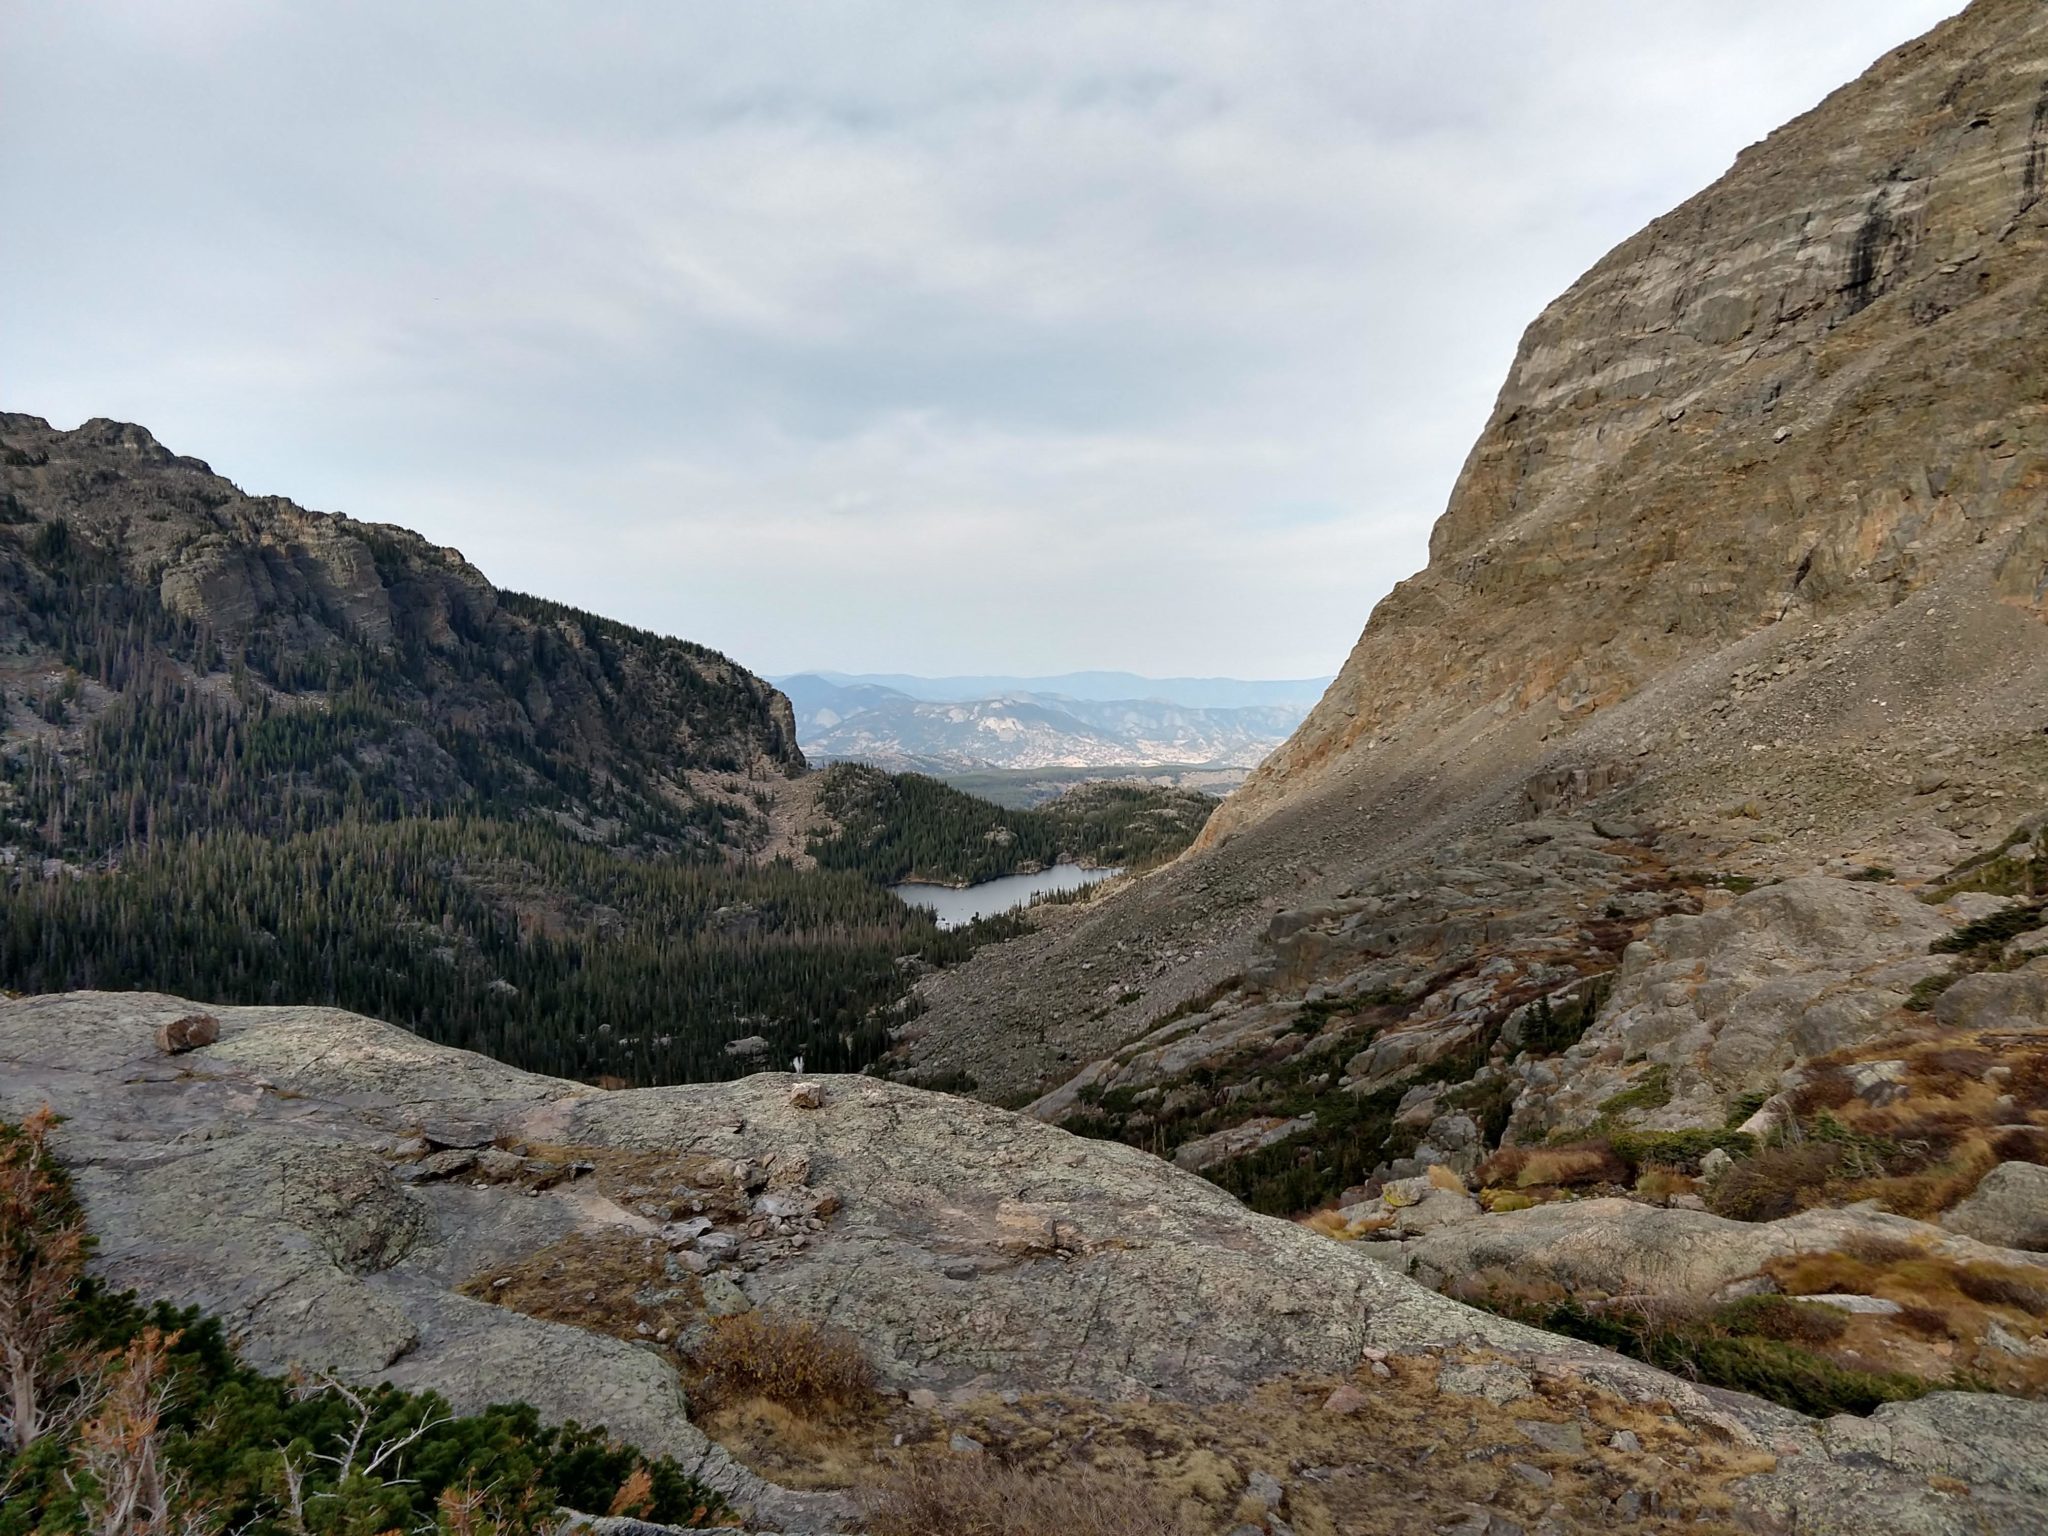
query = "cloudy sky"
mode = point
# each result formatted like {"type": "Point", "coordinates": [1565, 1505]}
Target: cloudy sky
{"type": "Point", "coordinates": [935, 337]}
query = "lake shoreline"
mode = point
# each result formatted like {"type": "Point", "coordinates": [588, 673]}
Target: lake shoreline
{"type": "Point", "coordinates": [955, 906]}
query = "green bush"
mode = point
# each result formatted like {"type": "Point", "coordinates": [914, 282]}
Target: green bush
{"type": "Point", "coordinates": [1678, 1149]}
{"type": "Point", "coordinates": [1706, 1349]}
{"type": "Point", "coordinates": [1653, 1092]}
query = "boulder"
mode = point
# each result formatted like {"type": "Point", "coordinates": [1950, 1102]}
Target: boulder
{"type": "Point", "coordinates": [177, 1036]}
{"type": "Point", "coordinates": [2009, 1208]}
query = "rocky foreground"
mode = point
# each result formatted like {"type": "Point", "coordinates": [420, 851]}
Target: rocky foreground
{"type": "Point", "coordinates": [351, 1199]}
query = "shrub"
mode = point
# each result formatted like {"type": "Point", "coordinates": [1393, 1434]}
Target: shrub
{"type": "Point", "coordinates": [1880, 1250]}
{"type": "Point", "coordinates": [1704, 1349]}
{"type": "Point", "coordinates": [1660, 1183]}
{"type": "Point", "coordinates": [1929, 1322]}
{"type": "Point", "coordinates": [1990, 933]}
{"type": "Point", "coordinates": [804, 1366]}
{"type": "Point", "coordinates": [1776, 1182]}
{"type": "Point", "coordinates": [975, 1496]}
{"type": "Point", "coordinates": [1995, 1286]}
{"type": "Point", "coordinates": [1678, 1149]}
{"type": "Point", "coordinates": [1826, 1086]}
{"type": "Point", "coordinates": [1591, 1162]}
{"type": "Point", "coordinates": [1928, 988]}
{"type": "Point", "coordinates": [1783, 1319]}
{"type": "Point", "coordinates": [1652, 1091]}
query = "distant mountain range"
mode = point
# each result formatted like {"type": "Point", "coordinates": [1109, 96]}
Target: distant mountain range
{"type": "Point", "coordinates": [1300, 693]}
{"type": "Point", "coordinates": [1080, 720]}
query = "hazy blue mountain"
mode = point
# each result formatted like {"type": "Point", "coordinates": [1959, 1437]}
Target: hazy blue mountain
{"type": "Point", "coordinates": [1104, 687]}
{"type": "Point", "coordinates": [1025, 729]}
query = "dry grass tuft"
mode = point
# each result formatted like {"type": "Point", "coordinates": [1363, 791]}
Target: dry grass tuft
{"type": "Point", "coordinates": [805, 1367]}
{"type": "Point", "coordinates": [1776, 1182]}
{"type": "Point", "coordinates": [1660, 1183]}
{"type": "Point", "coordinates": [1879, 1249]}
{"type": "Point", "coordinates": [1591, 1162]}
{"type": "Point", "coordinates": [1994, 1285]}
{"type": "Point", "coordinates": [976, 1496]}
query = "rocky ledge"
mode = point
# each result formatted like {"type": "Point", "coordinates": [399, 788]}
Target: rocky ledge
{"type": "Point", "coordinates": [352, 1199]}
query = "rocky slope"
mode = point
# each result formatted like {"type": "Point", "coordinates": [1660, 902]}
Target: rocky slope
{"type": "Point", "coordinates": [142, 595]}
{"type": "Point", "coordinates": [1750, 554]}
{"type": "Point", "coordinates": [353, 1199]}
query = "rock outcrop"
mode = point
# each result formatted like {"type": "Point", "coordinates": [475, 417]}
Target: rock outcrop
{"type": "Point", "coordinates": [1742, 584]}
{"type": "Point", "coordinates": [1803, 396]}
{"type": "Point", "coordinates": [351, 1198]}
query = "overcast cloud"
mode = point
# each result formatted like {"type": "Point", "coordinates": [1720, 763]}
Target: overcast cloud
{"type": "Point", "coordinates": [933, 337]}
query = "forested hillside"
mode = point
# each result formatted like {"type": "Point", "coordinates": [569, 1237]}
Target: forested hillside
{"type": "Point", "coordinates": [178, 657]}
{"type": "Point", "coordinates": [904, 826]}
{"type": "Point", "coordinates": [258, 754]}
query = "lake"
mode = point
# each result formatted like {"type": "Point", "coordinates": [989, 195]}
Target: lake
{"type": "Point", "coordinates": [959, 907]}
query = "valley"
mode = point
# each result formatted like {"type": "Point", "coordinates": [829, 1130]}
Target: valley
{"type": "Point", "coordinates": [1591, 1074]}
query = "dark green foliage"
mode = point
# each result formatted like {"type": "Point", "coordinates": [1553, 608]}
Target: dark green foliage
{"type": "Point", "coordinates": [1989, 934]}
{"type": "Point", "coordinates": [2018, 866]}
{"type": "Point", "coordinates": [228, 1427]}
{"type": "Point", "coordinates": [514, 940]}
{"type": "Point", "coordinates": [1711, 1349]}
{"type": "Point", "coordinates": [894, 827]}
{"type": "Point", "coordinates": [1928, 988]}
{"type": "Point", "coordinates": [1677, 1149]}
{"type": "Point", "coordinates": [1551, 1031]}
{"type": "Point", "coordinates": [1352, 1136]}
{"type": "Point", "coordinates": [1652, 1092]}
{"type": "Point", "coordinates": [1782, 1318]}
{"type": "Point", "coordinates": [1743, 1105]}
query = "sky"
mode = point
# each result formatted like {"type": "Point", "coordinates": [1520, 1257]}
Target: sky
{"type": "Point", "coordinates": [862, 334]}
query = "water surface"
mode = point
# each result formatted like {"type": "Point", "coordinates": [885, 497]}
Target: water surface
{"type": "Point", "coordinates": [959, 907]}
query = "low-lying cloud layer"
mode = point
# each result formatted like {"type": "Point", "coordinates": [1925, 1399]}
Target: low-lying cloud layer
{"type": "Point", "coordinates": [934, 337]}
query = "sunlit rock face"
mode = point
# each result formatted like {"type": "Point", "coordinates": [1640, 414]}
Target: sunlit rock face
{"type": "Point", "coordinates": [1808, 393]}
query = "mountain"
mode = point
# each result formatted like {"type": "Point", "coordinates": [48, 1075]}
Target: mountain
{"type": "Point", "coordinates": [1100, 687]}
{"type": "Point", "coordinates": [1677, 836]}
{"type": "Point", "coordinates": [1017, 730]}
{"type": "Point", "coordinates": [296, 663]}
{"type": "Point", "coordinates": [271, 755]}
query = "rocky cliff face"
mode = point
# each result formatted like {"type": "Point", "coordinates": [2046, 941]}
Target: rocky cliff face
{"type": "Point", "coordinates": [138, 582]}
{"type": "Point", "coordinates": [1751, 554]}
{"type": "Point", "coordinates": [1801, 399]}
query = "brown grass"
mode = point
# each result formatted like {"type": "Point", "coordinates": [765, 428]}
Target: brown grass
{"type": "Point", "coordinates": [1591, 1162]}
{"type": "Point", "coordinates": [805, 1367]}
{"type": "Point", "coordinates": [1994, 1285]}
{"type": "Point", "coordinates": [1776, 1182]}
{"type": "Point", "coordinates": [976, 1496]}
{"type": "Point", "coordinates": [596, 1280]}
{"type": "Point", "coordinates": [1880, 1249]}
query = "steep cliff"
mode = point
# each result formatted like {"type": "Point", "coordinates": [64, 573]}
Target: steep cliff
{"type": "Point", "coordinates": [144, 598]}
{"type": "Point", "coordinates": [1807, 394]}
{"type": "Point", "coordinates": [1752, 554]}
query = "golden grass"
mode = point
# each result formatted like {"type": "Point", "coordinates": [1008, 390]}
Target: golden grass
{"type": "Point", "coordinates": [806, 1367]}
{"type": "Point", "coordinates": [975, 1496]}
{"type": "Point", "coordinates": [1592, 1162]}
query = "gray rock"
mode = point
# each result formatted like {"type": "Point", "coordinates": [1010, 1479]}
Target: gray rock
{"type": "Point", "coordinates": [1564, 1439]}
{"type": "Point", "coordinates": [1266, 1488]}
{"type": "Point", "coordinates": [1493, 1380]}
{"type": "Point", "coordinates": [723, 1296]}
{"type": "Point", "coordinates": [2009, 1207]}
{"type": "Point", "coordinates": [1865, 1306]}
